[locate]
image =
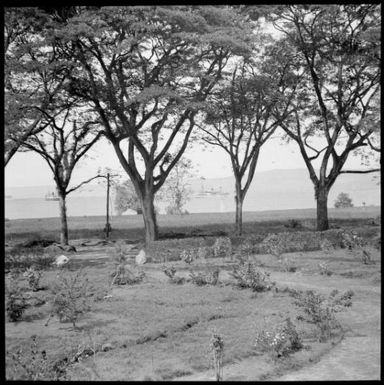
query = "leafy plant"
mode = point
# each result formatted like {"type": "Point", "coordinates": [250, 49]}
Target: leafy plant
{"type": "Point", "coordinates": [32, 364]}
{"type": "Point", "coordinates": [324, 269]}
{"type": "Point", "coordinates": [170, 273]}
{"type": "Point", "coordinates": [366, 258]}
{"type": "Point", "coordinates": [216, 345]}
{"type": "Point", "coordinates": [16, 302]}
{"type": "Point", "coordinates": [72, 297]}
{"type": "Point", "coordinates": [288, 265]}
{"type": "Point", "coordinates": [248, 275]}
{"type": "Point", "coordinates": [326, 246]}
{"type": "Point", "coordinates": [188, 255]}
{"type": "Point", "coordinates": [122, 274]}
{"type": "Point", "coordinates": [281, 341]}
{"type": "Point", "coordinates": [222, 247]}
{"type": "Point", "coordinates": [201, 278]}
{"type": "Point", "coordinates": [320, 310]}
{"type": "Point", "coordinates": [274, 244]}
{"type": "Point", "coordinates": [33, 277]}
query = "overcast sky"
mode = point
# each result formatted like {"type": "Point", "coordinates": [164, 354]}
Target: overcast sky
{"type": "Point", "coordinates": [29, 169]}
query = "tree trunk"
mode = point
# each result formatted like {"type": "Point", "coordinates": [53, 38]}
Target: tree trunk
{"type": "Point", "coordinates": [322, 208]}
{"type": "Point", "coordinates": [239, 210]}
{"type": "Point", "coordinates": [63, 219]}
{"type": "Point", "coordinates": [149, 216]}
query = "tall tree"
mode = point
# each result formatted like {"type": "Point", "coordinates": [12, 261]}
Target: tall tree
{"type": "Point", "coordinates": [240, 120]}
{"type": "Point", "coordinates": [67, 139]}
{"type": "Point", "coordinates": [147, 71]}
{"type": "Point", "coordinates": [32, 75]}
{"type": "Point", "coordinates": [338, 48]}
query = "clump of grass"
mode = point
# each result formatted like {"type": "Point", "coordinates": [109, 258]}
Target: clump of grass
{"type": "Point", "coordinates": [72, 297]}
{"type": "Point", "coordinates": [248, 275]}
{"type": "Point", "coordinates": [281, 341]}
{"type": "Point", "coordinates": [320, 310]}
{"type": "Point", "coordinates": [208, 278]}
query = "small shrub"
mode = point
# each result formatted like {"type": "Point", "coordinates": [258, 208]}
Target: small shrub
{"type": "Point", "coordinates": [170, 273]}
{"type": "Point", "coordinates": [366, 258]}
{"type": "Point", "coordinates": [248, 275]}
{"type": "Point", "coordinates": [288, 265]}
{"type": "Point", "coordinates": [205, 252]}
{"type": "Point", "coordinates": [72, 297]}
{"type": "Point", "coordinates": [274, 244]}
{"type": "Point", "coordinates": [33, 277]}
{"type": "Point", "coordinates": [16, 302]}
{"type": "Point", "coordinates": [122, 274]}
{"type": "Point", "coordinates": [216, 346]}
{"type": "Point", "coordinates": [280, 342]}
{"type": "Point", "coordinates": [293, 224]}
{"type": "Point", "coordinates": [326, 246]}
{"type": "Point", "coordinates": [351, 241]}
{"type": "Point", "coordinates": [201, 278]}
{"type": "Point", "coordinates": [324, 269]}
{"type": "Point", "coordinates": [320, 311]}
{"type": "Point", "coordinates": [222, 247]}
{"type": "Point", "coordinates": [188, 255]}
{"type": "Point", "coordinates": [33, 365]}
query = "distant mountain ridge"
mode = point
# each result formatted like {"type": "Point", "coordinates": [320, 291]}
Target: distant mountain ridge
{"type": "Point", "coordinates": [280, 189]}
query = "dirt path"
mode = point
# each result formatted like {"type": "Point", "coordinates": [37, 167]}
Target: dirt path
{"type": "Point", "coordinates": [356, 357]}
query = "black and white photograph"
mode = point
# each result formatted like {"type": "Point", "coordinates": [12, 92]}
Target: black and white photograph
{"type": "Point", "coordinates": [192, 192]}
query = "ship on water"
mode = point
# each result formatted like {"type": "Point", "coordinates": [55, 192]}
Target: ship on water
{"type": "Point", "coordinates": [51, 196]}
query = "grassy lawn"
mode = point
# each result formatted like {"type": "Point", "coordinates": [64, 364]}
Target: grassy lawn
{"type": "Point", "coordinates": [131, 227]}
{"type": "Point", "coordinates": [156, 330]}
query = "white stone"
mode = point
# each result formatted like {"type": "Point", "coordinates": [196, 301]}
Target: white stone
{"type": "Point", "coordinates": [61, 260]}
{"type": "Point", "coordinates": [141, 258]}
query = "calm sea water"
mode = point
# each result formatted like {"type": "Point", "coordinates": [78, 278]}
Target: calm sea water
{"type": "Point", "coordinates": [80, 206]}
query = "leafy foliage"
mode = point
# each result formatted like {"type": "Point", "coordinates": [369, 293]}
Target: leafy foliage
{"type": "Point", "coordinates": [33, 277]}
{"type": "Point", "coordinates": [205, 278]}
{"type": "Point", "coordinates": [33, 364]}
{"type": "Point", "coordinates": [170, 273]}
{"type": "Point", "coordinates": [71, 296]}
{"type": "Point", "coordinates": [222, 247]}
{"type": "Point", "coordinates": [343, 200]}
{"type": "Point", "coordinates": [16, 302]}
{"type": "Point", "coordinates": [320, 310]}
{"type": "Point", "coordinates": [281, 341]}
{"type": "Point", "coordinates": [248, 275]}
{"type": "Point", "coordinates": [126, 198]}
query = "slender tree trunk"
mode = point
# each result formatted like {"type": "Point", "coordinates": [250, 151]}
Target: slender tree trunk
{"type": "Point", "coordinates": [149, 216]}
{"type": "Point", "coordinates": [322, 207]}
{"type": "Point", "coordinates": [63, 219]}
{"type": "Point", "coordinates": [239, 209]}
